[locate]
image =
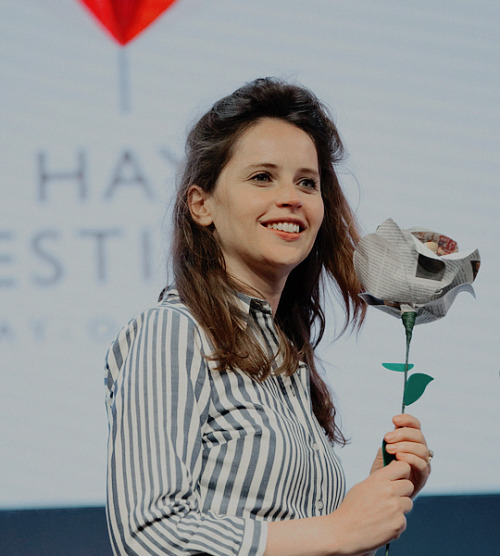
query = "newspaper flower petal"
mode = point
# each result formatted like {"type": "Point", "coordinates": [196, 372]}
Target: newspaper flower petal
{"type": "Point", "coordinates": [417, 270]}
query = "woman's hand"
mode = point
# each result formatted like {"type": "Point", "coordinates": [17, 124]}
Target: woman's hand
{"type": "Point", "coordinates": [408, 444]}
{"type": "Point", "coordinates": [372, 514]}
{"type": "Point", "coordinates": [373, 511]}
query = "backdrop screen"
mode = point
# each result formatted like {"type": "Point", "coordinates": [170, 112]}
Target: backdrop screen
{"type": "Point", "coordinates": [93, 123]}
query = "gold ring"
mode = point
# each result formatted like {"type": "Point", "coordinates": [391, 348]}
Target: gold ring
{"type": "Point", "coordinates": [430, 456]}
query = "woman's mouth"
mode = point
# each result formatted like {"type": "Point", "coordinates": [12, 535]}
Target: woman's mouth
{"type": "Point", "coordinates": [289, 227]}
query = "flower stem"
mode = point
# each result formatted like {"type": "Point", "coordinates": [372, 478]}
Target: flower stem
{"type": "Point", "coordinates": [408, 318]}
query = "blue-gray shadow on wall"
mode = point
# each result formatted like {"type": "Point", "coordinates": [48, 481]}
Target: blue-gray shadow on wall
{"type": "Point", "coordinates": [462, 525]}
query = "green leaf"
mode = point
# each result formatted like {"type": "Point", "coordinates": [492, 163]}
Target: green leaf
{"type": "Point", "coordinates": [387, 457]}
{"type": "Point", "coordinates": [399, 367]}
{"type": "Point", "coordinates": [415, 387]}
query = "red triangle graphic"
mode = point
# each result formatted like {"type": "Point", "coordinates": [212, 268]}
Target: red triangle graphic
{"type": "Point", "coordinates": [125, 19]}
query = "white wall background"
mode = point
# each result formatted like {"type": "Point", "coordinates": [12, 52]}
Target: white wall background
{"type": "Point", "coordinates": [85, 186]}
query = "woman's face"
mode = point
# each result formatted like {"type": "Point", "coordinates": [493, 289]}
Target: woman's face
{"type": "Point", "coordinates": [266, 206]}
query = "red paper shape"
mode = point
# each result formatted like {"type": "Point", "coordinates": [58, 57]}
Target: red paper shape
{"type": "Point", "coordinates": [125, 19]}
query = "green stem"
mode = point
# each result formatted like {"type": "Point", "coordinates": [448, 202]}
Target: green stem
{"type": "Point", "coordinates": [408, 319]}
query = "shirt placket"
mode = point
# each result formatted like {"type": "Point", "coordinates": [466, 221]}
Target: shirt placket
{"type": "Point", "coordinates": [294, 391]}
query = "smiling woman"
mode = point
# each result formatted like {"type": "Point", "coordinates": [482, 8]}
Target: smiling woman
{"type": "Point", "coordinates": [266, 208]}
{"type": "Point", "coordinates": [222, 431]}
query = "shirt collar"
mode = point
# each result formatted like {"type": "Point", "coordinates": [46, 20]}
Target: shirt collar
{"type": "Point", "coordinates": [247, 302]}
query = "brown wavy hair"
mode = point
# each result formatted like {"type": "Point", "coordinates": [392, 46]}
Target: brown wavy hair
{"type": "Point", "coordinates": [198, 263]}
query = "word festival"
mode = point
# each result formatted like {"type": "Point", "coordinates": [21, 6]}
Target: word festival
{"type": "Point", "coordinates": [75, 234]}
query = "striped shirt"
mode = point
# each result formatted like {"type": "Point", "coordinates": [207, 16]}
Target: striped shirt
{"type": "Point", "coordinates": [200, 460]}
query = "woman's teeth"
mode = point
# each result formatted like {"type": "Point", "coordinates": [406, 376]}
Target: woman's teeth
{"type": "Point", "coordinates": [285, 227]}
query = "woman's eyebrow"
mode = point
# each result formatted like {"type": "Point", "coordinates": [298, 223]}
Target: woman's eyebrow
{"type": "Point", "coordinates": [272, 166]}
{"type": "Point", "coordinates": [261, 165]}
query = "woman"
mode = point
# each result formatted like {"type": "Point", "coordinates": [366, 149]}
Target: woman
{"type": "Point", "coordinates": [221, 428]}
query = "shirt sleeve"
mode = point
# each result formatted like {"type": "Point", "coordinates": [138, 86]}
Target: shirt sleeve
{"type": "Point", "coordinates": [157, 406]}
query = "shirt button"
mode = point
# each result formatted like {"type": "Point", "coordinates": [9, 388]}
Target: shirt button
{"type": "Point", "coordinates": [315, 446]}
{"type": "Point", "coordinates": [319, 505]}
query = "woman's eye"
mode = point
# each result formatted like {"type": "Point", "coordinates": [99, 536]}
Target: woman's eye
{"type": "Point", "coordinates": [261, 177]}
{"type": "Point", "coordinates": [308, 183]}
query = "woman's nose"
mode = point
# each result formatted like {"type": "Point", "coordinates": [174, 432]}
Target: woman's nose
{"type": "Point", "coordinates": [288, 196]}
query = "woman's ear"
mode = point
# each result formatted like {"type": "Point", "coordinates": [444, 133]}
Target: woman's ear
{"type": "Point", "coordinates": [199, 205]}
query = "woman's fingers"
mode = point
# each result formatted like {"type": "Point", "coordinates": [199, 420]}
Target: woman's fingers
{"type": "Point", "coordinates": [406, 420]}
{"type": "Point", "coordinates": [407, 437]}
{"type": "Point", "coordinates": [418, 449]}
{"type": "Point", "coordinates": [408, 444]}
{"type": "Point", "coordinates": [405, 433]}
{"type": "Point", "coordinates": [373, 512]}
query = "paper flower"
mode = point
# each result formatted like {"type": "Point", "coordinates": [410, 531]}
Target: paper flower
{"type": "Point", "coordinates": [413, 270]}
{"type": "Point", "coordinates": [415, 275]}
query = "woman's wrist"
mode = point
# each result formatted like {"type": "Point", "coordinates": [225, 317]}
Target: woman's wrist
{"type": "Point", "coordinates": [312, 536]}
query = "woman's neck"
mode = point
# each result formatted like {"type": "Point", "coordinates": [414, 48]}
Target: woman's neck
{"type": "Point", "coordinates": [264, 289]}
